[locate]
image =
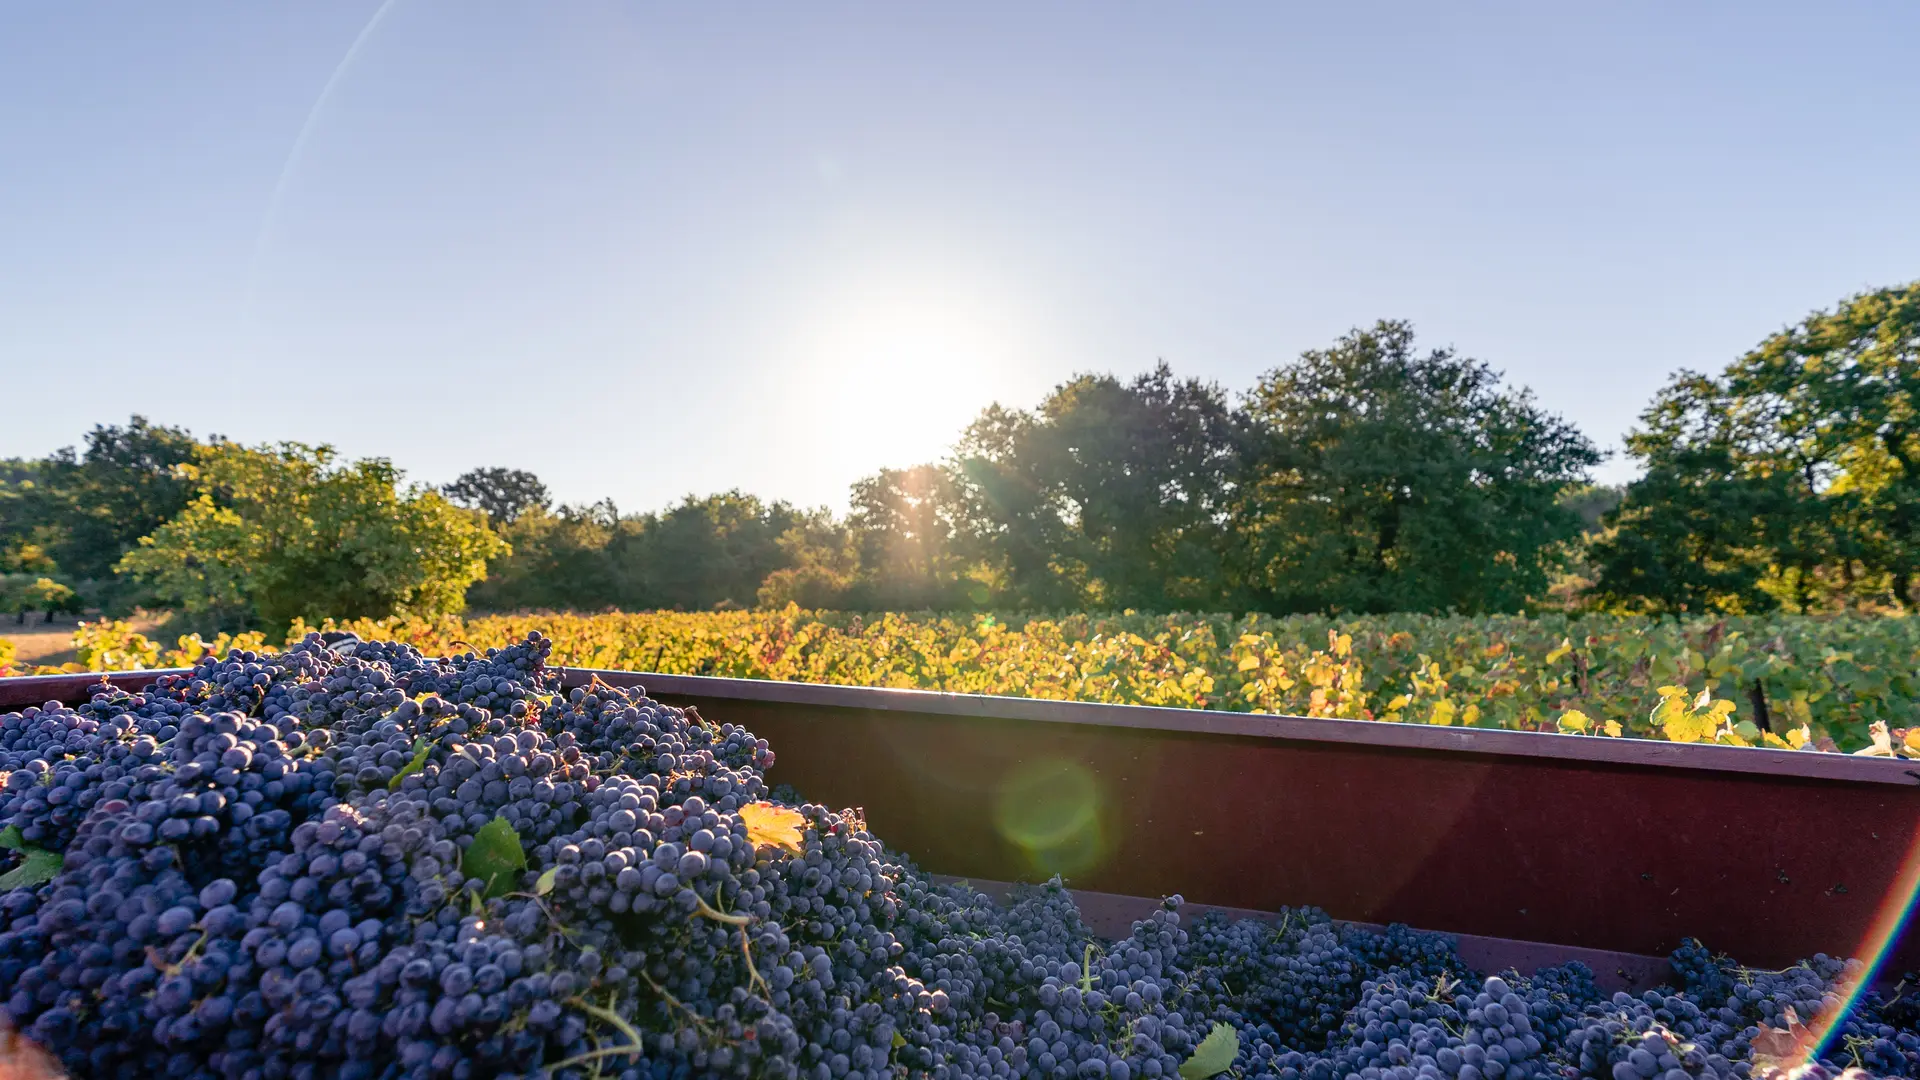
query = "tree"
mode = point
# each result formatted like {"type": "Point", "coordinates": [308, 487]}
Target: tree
{"type": "Point", "coordinates": [75, 514]}
{"type": "Point", "coordinates": [502, 494]}
{"type": "Point", "coordinates": [706, 552]}
{"type": "Point", "coordinates": [25, 532]}
{"type": "Point", "coordinates": [1794, 474]}
{"type": "Point", "coordinates": [126, 483]}
{"type": "Point", "coordinates": [1108, 494]}
{"type": "Point", "coordinates": [1687, 534]}
{"type": "Point", "coordinates": [822, 561]}
{"type": "Point", "coordinates": [563, 559]}
{"type": "Point", "coordinates": [1381, 479]}
{"type": "Point", "coordinates": [21, 593]}
{"type": "Point", "coordinates": [280, 532]}
{"type": "Point", "coordinates": [905, 528]}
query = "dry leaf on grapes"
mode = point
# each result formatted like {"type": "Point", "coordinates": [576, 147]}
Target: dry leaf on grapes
{"type": "Point", "coordinates": [1782, 1048]}
{"type": "Point", "coordinates": [773, 826]}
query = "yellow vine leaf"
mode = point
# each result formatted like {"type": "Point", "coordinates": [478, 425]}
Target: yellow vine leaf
{"type": "Point", "coordinates": [1574, 720]}
{"type": "Point", "coordinates": [773, 826]}
{"type": "Point", "coordinates": [1612, 727]}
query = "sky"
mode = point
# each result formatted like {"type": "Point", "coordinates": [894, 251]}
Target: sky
{"type": "Point", "coordinates": [648, 250]}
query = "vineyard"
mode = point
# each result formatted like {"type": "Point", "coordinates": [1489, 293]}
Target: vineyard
{"type": "Point", "coordinates": [1845, 684]}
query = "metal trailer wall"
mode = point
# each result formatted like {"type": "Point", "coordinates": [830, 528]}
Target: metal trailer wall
{"type": "Point", "coordinates": [1610, 850]}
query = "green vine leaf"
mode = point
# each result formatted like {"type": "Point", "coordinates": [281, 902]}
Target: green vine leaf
{"type": "Point", "coordinates": [495, 857]}
{"type": "Point", "coordinates": [10, 838]}
{"type": "Point", "coordinates": [1214, 1055]}
{"type": "Point", "coordinates": [545, 885]}
{"type": "Point", "coordinates": [420, 748]}
{"type": "Point", "coordinates": [38, 869]}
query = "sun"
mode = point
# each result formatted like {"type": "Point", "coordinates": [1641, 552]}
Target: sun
{"type": "Point", "coordinates": [910, 355]}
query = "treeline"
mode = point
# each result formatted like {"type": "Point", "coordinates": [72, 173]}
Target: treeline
{"type": "Point", "coordinates": [1370, 476]}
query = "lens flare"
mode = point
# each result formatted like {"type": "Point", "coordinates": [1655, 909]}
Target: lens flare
{"type": "Point", "coordinates": [1896, 907]}
{"type": "Point", "coordinates": [1050, 809]}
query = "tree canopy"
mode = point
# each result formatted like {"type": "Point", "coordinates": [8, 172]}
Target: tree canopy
{"type": "Point", "coordinates": [275, 533]}
{"type": "Point", "coordinates": [74, 514]}
{"type": "Point", "coordinates": [1109, 494]}
{"type": "Point", "coordinates": [1372, 475]}
{"type": "Point", "coordinates": [502, 494]}
{"type": "Point", "coordinates": [1791, 477]}
{"type": "Point", "coordinates": [1386, 479]}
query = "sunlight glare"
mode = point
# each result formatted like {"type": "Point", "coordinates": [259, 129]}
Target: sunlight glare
{"type": "Point", "coordinates": [904, 358]}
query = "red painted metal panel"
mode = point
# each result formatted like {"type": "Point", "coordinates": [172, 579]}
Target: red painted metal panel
{"type": "Point", "coordinates": [25, 690]}
{"type": "Point", "coordinates": [1565, 748]}
{"type": "Point", "coordinates": [1604, 856]}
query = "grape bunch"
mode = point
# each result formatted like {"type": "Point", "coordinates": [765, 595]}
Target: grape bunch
{"type": "Point", "coordinates": [348, 859]}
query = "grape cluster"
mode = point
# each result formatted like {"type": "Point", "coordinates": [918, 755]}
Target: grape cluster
{"type": "Point", "coordinates": [1650, 1036]}
{"type": "Point", "coordinates": [351, 860]}
{"type": "Point", "coordinates": [1419, 953]}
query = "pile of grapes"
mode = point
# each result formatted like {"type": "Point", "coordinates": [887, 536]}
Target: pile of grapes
{"type": "Point", "coordinates": [352, 860]}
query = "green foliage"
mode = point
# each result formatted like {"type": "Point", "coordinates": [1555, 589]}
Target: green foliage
{"type": "Point", "coordinates": [1829, 677]}
{"type": "Point", "coordinates": [1792, 477]}
{"type": "Point", "coordinates": [73, 515]}
{"type": "Point", "coordinates": [22, 593]}
{"type": "Point", "coordinates": [906, 529]}
{"type": "Point", "coordinates": [561, 559]}
{"type": "Point", "coordinates": [822, 563]}
{"type": "Point", "coordinates": [502, 494]}
{"type": "Point", "coordinates": [495, 857]}
{"type": "Point", "coordinates": [703, 553]}
{"type": "Point", "coordinates": [421, 748]}
{"type": "Point", "coordinates": [711, 552]}
{"type": "Point", "coordinates": [1367, 477]}
{"type": "Point", "coordinates": [283, 532]}
{"type": "Point", "coordinates": [1684, 536]}
{"type": "Point", "coordinates": [36, 867]}
{"type": "Point", "coordinates": [1108, 494]}
{"type": "Point", "coordinates": [1214, 1055]}
{"type": "Point", "coordinates": [1387, 480]}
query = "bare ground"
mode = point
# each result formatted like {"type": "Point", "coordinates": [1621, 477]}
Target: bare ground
{"type": "Point", "coordinates": [41, 642]}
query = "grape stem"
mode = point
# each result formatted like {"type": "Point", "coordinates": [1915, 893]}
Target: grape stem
{"type": "Point", "coordinates": [596, 1055]}
{"type": "Point", "coordinates": [746, 952]}
{"type": "Point", "coordinates": [698, 1020]}
{"type": "Point", "coordinates": [607, 1015]}
{"type": "Point", "coordinates": [746, 949]}
{"type": "Point", "coordinates": [718, 916]}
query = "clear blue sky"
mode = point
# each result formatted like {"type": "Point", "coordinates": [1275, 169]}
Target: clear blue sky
{"type": "Point", "coordinates": [646, 250]}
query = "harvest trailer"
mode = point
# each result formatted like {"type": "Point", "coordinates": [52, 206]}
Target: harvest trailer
{"type": "Point", "coordinates": [1534, 848]}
